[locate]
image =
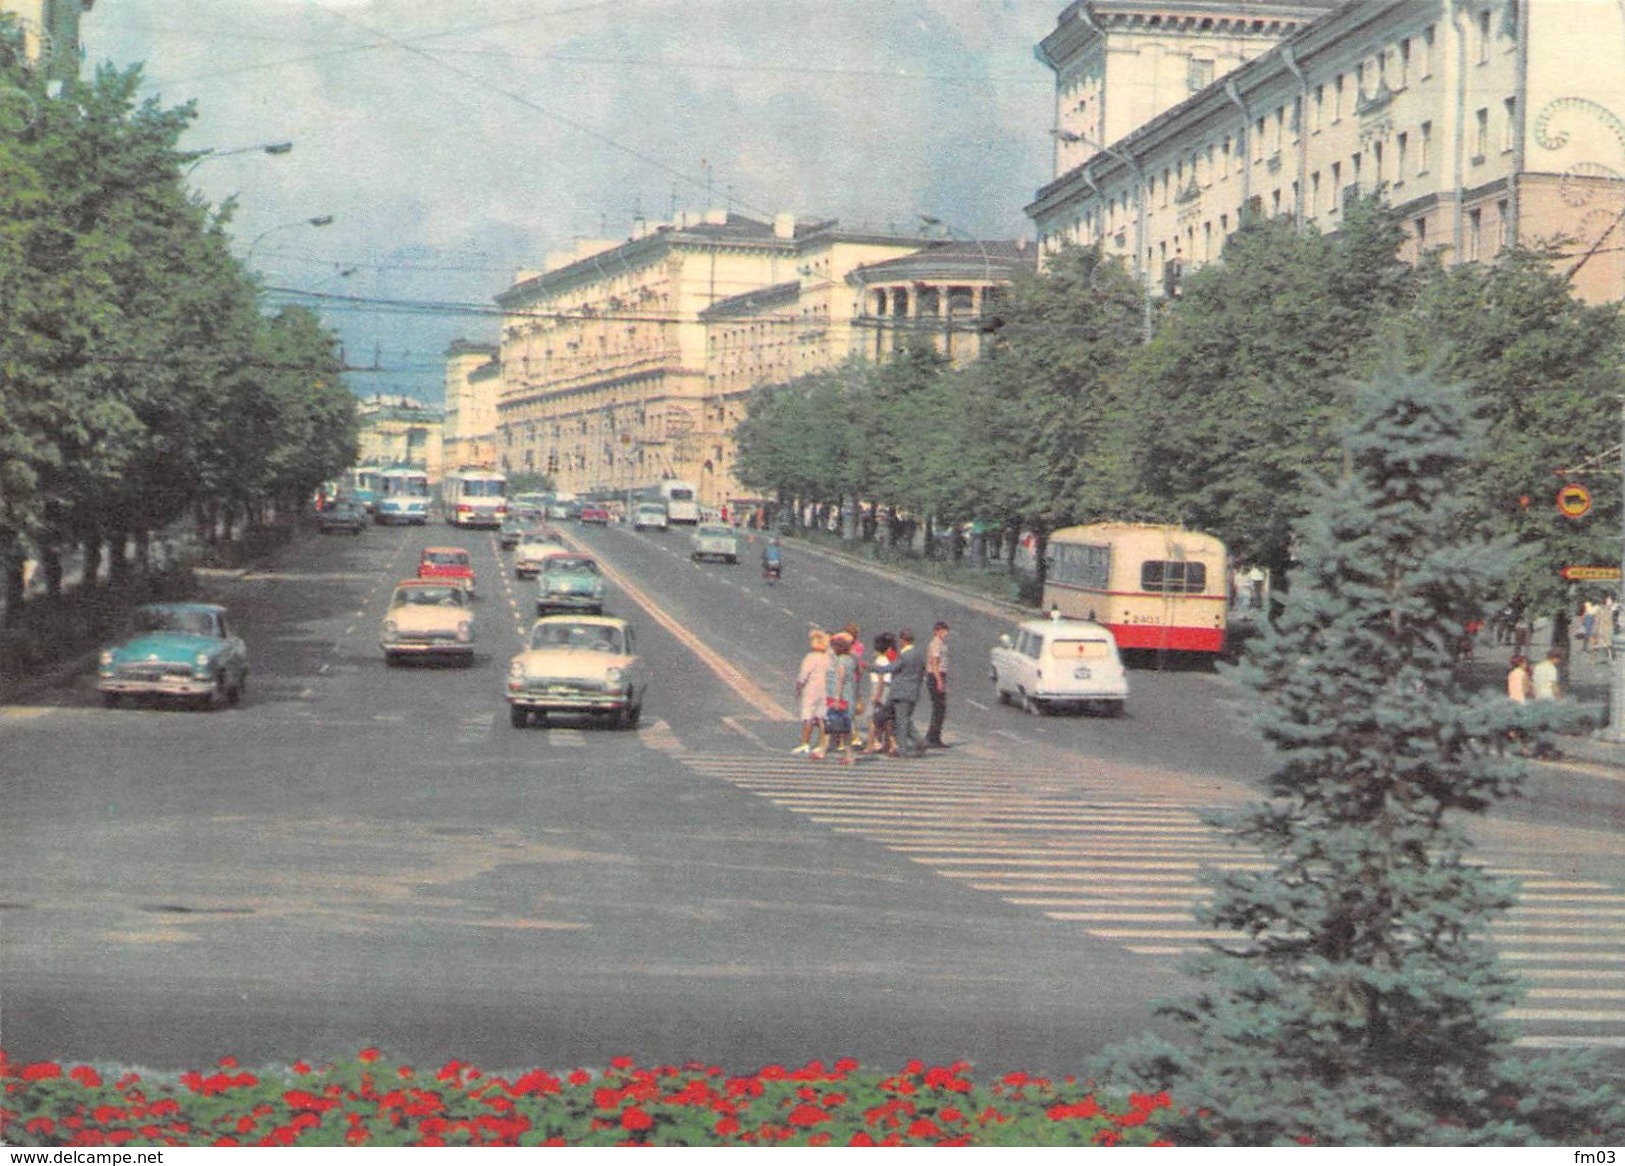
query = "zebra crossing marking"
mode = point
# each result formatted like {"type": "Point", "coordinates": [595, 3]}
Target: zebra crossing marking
{"type": "Point", "coordinates": [1128, 870]}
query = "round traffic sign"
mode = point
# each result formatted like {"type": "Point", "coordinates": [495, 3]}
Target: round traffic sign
{"type": "Point", "coordinates": [1574, 500]}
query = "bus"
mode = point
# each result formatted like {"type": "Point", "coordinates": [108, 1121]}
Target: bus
{"type": "Point", "coordinates": [474, 497]}
{"type": "Point", "coordinates": [682, 502]}
{"type": "Point", "coordinates": [403, 496]}
{"type": "Point", "coordinates": [1158, 588]}
{"type": "Point", "coordinates": [362, 484]}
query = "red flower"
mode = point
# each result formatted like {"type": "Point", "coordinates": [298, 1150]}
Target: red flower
{"type": "Point", "coordinates": [951, 1114]}
{"type": "Point", "coordinates": [43, 1126]}
{"type": "Point", "coordinates": [107, 1114]}
{"type": "Point", "coordinates": [807, 1115]}
{"type": "Point", "coordinates": [536, 1081]}
{"type": "Point", "coordinates": [605, 1098]}
{"type": "Point", "coordinates": [1080, 1109]}
{"type": "Point", "coordinates": [87, 1077]}
{"type": "Point", "coordinates": [404, 1072]}
{"type": "Point", "coordinates": [924, 1128]}
{"type": "Point", "coordinates": [861, 1139]}
{"type": "Point", "coordinates": [727, 1127]}
{"type": "Point", "coordinates": [301, 1068]}
{"type": "Point", "coordinates": [621, 1062]}
{"type": "Point", "coordinates": [41, 1071]}
{"type": "Point", "coordinates": [227, 1062]}
{"type": "Point", "coordinates": [368, 1056]}
{"type": "Point", "coordinates": [820, 1139]}
{"type": "Point", "coordinates": [635, 1119]}
{"type": "Point", "coordinates": [581, 1077]}
{"type": "Point", "coordinates": [246, 1124]}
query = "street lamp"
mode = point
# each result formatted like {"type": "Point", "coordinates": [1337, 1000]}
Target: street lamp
{"type": "Point", "coordinates": [264, 148]}
{"type": "Point", "coordinates": [1140, 269]}
{"type": "Point", "coordinates": [318, 221]}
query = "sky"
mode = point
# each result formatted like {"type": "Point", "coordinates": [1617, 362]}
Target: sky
{"type": "Point", "coordinates": [456, 143]}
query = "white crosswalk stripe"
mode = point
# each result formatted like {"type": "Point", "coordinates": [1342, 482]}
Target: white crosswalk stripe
{"type": "Point", "coordinates": [1129, 871]}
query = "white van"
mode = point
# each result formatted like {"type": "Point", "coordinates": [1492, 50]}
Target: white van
{"type": "Point", "coordinates": [1049, 662]}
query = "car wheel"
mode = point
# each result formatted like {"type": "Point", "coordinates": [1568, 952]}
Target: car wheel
{"type": "Point", "coordinates": [111, 700]}
{"type": "Point", "coordinates": [234, 694]}
{"type": "Point", "coordinates": [998, 690]}
{"type": "Point", "coordinates": [1030, 706]}
{"type": "Point", "coordinates": [1112, 708]}
{"type": "Point", "coordinates": [391, 659]}
{"type": "Point", "coordinates": [518, 717]}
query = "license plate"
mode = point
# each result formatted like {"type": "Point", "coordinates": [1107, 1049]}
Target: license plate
{"type": "Point", "coordinates": [1080, 673]}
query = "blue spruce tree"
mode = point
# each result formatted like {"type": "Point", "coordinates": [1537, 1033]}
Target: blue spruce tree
{"type": "Point", "coordinates": [1361, 1001]}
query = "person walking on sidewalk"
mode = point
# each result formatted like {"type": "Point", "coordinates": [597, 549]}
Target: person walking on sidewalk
{"type": "Point", "coordinates": [936, 680]}
{"type": "Point", "coordinates": [1543, 677]}
{"type": "Point", "coordinates": [907, 674]}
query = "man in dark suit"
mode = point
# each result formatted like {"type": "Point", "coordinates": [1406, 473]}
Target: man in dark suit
{"type": "Point", "coordinates": [907, 680]}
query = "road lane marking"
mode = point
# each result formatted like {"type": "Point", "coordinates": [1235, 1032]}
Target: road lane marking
{"type": "Point", "coordinates": [746, 689]}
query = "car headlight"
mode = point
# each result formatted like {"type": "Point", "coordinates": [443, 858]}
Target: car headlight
{"type": "Point", "coordinates": [465, 631]}
{"type": "Point", "coordinates": [516, 670]}
{"type": "Point", "coordinates": [597, 586]}
{"type": "Point", "coordinates": [614, 676]}
{"type": "Point", "coordinates": [107, 658]}
{"type": "Point", "coordinates": [390, 627]}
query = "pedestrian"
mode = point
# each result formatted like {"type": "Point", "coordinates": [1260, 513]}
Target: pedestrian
{"type": "Point", "coordinates": [1519, 683]}
{"type": "Point", "coordinates": [907, 674]}
{"type": "Point", "coordinates": [810, 690]}
{"type": "Point", "coordinates": [841, 696]}
{"type": "Point", "coordinates": [1607, 621]}
{"type": "Point", "coordinates": [880, 723]}
{"type": "Point", "coordinates": [851, 629]}
{"type": "Point", "coordinates": [1543, 677]}
{"type": "Point", "coordinates": [1588, 626]}
{"type": "Point", "coordinates": [936, 678]}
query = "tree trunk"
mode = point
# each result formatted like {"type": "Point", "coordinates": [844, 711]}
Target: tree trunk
{"type": "Point", "coordinates": [119, 545]}
{"type": "Point", "coordinates": [13, 569]}
{"type": "Point", "coordinates": [91, 553]}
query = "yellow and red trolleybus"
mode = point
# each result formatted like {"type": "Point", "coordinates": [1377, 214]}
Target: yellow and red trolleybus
{"type": "Point", "coordinates": [1158, 588]}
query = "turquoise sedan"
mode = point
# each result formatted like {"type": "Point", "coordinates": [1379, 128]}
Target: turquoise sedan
{"type": "Point", "coordinates": [184, 650]}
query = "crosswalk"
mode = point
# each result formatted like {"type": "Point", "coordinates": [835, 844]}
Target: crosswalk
{"type": "Point", "coordinates": [1127, 869]}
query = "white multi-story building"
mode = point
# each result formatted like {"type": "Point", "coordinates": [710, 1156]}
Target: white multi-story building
{"type": "Point", "coordinates": [1483, 122]}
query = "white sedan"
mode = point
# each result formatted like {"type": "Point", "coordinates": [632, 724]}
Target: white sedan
{"type": "Point", "coordinates": [428, 617]}
{"type": "Point", "coordinates": [1051, 662]}
{"type": "Point", "coordinates": [578, 664]}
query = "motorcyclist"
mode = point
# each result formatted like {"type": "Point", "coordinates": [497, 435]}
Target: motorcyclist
{"type": "Point", "coordinates": [772, 558]}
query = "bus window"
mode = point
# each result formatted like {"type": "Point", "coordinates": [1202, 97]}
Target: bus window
{"type": "Point", "coordinates": [1173, 576]}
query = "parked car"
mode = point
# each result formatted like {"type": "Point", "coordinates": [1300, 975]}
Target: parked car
{"type": "Point", "coordinates": [577, 664]}
{"type": "Point", "coordinates": [450, 564]}
{"type": "Point", "coordinates": [512, 528]}
{"type": "Point", "coordinates": [534, 546]}
{"type": "Point", "coordinates": [1050, 662]}
{"type": "Point", "coordinates": [343, 515]}
{"type": "Point", "coordinates": [186, 650]}
{"type": "Point", "coordinates": [649, 516]}
{"type": "Point", "coordinates": [568, 581]}
{"type": "Point", "coordinates": [595, 515]}
{"type": "Point", "coordinates": [428, 618]}
{"type": "Point", "coordinates": [713, 540]}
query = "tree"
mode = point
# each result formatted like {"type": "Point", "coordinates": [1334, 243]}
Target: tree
{"type": "Point", "coordinates": [1361, 1003]}
{"type": "Point", "coordinates": [1247, 377]}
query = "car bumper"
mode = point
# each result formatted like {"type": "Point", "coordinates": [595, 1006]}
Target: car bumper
{"type": "Point", "coordinates": [556, 602]}
{"type": "Point", "coordinates": [570, 701]}
{"type": "Point", "coordinates": [164, 686]}
{"type": "Point", "coordinates": [428, 647]}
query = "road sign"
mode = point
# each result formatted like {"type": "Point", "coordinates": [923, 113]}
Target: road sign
{"type": "Point", "coordinates": [1574, 500]}
{"type": "Point", "coordinates": [1599, 574]}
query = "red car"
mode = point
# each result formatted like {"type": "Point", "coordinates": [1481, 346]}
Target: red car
{"type": "Point", "coordinates": [451, 564]}
{"type": "Point", "coordinates": [595, 514]}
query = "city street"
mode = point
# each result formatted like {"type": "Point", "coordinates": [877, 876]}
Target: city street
{"type": "Point", "coordinates": [362, 855]}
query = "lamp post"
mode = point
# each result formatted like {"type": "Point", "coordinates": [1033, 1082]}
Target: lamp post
{"type": "Point", "coordinates": [210, 155]}
{"type": "Point", "coordinates": [1141, 271]}
{"type": "Point", "coordinates": [318, 221]}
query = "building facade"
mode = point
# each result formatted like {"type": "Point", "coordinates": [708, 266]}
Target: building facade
{"type": "Point", "coordinates": [1482, 122]}
{"type": "Point", "coordinates": [629, 362]}
{"type": "Point", "coordinates": [399, 431]}
{"type": "Point", "coordinates": [473, 382]}
{"type": "Point", "coordinates": [51, 32]}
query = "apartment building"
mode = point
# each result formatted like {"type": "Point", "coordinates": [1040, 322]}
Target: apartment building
{"type": "Point", "coordinates": [1483, 122]}
{"type": "Point", "coordinates": [473, 382]}
{"type": "Point", "coordinates": [628, 362]}
{"type": "Point", "coordinates": [50, 32]}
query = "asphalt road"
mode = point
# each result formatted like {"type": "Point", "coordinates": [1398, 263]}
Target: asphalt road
{"type": "Point", "coordinates": [363, 855]}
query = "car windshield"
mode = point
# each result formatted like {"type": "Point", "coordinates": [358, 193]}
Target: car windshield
{"type": "Point", "coordinates": [446, 558]}
{"type": "Point", "coordinates": [717, 531]}
{"type": "Point", "coordinates": [427, 597]}
{"type": "Point", "coordinates": [540, 536]}
{"type": "Point", "coordinates": [190, 623]}
{"type": "Point", "coordinates": [570, 565]}
{"type": "Point", "coordinates": [585, 636]}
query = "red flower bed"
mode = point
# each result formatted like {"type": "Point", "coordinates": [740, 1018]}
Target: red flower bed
{"type": "Point", "coordinates": [374, 1102]}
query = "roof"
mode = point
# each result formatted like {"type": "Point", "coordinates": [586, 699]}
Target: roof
{"type": "Point", "coordinates": [994, 259]}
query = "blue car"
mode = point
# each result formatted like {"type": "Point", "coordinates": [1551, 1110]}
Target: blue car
{"type": "Point", "coordinates": [183, 650]}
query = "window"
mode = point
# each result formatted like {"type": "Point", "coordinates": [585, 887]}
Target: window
{"type": "Point", "coordinates": [1314, 193]}
{"type": "Point", "coordinates": [1421, 226]}
{"type": "Point", "coordinates": [1337, 185]}
{"type": "Point", "coordinates": [1376, 163]}
{"type": "Point", "coordinates": [1424, 148]}
{"type": "Point", "coordinates": [1430, 39]}
{"type": "Point", "coordinates": [1475, 234]}
{"type": "Point", "coordinates": [1337, 98]}
{"type": "Point", "coordinates": [1318, 114]}
{"type": "Point", "coordinates": [1173, 577]}
{"type": "Point", "coordinates": [1401, 148]}
{"type": "Point", "coordinates": [1485, 36]}
{"type": "Point", "coordinates": [1509, 127]}
{"type": "Point", "coordinates": [1481, 134]}
{"type": "Point", "coordinates": [1201, 74]}
{"type": "Point", "coordinates": [1258, 140]}
{"type": "Point", "coordinates": [1503, 225]}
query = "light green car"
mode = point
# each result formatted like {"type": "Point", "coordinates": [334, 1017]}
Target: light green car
{"type": "Point", "coordinates": [569, 582]}
{"type": "Point", "coordinates": [714, 540]}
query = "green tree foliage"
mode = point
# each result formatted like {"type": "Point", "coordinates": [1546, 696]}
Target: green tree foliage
{"type": "Point", "coordinates": [1246, 378]}
{"type": "Point", "coordinates": [1361, 1002]}
{"type": "Point", "coordinates": [1548, 374]}
{"type": "Point", "coordinates": [137, 376]}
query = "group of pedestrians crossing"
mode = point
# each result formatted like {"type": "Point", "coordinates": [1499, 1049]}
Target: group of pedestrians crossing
{"type": "Point", "coordinates": [838, 681]}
